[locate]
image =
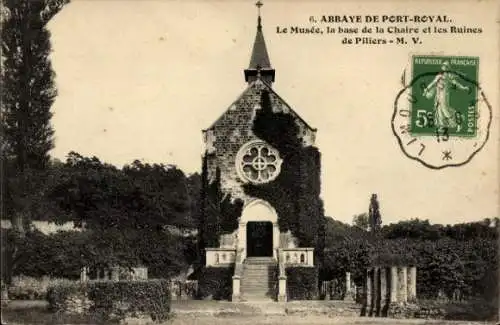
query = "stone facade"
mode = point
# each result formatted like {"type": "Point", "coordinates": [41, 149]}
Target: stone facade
{"type": "Point", "coordinates": [227, 140]}
{"type": "Point", "coordinates": [233, 130]}
{"type": "Point", "coordinates": [223, 142]}
{"type": "Point", "coordinates": [232, 148]}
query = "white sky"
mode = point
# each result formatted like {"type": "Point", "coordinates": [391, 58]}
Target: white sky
{"type": "Point", "coordinates": [141, 79]}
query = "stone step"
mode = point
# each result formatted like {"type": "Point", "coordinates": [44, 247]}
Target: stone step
{"type": "Point", "coordinates": [263, 271]}
{"type": "Point", "coordinates": [260, 261]}
{"type": "Point", "coordinates": [259, 279]}
{"type": "Point", "coordinates": [256, 278]}
{"type": "Point", "coordinates": [257, 292]}
{"type": "Point", "coordinates": [262, 298]}
{"type": "Point", "coordinates": [254, 285]}
{"type": "Point", "coordinates": [248, 285]}
{"type": "Point", "coordinates": [257, 289]}
{"type": "Point", "coordinates": [257, 284]}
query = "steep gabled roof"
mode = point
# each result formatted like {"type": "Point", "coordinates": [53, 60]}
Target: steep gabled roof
{"type": "Point", "coordinates": [271, 91]}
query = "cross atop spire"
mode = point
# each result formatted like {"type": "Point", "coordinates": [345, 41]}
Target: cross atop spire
{"type": "Point", "coordinates": [259, 4]}
{"type": "Point", "coordinates": [259, 61]}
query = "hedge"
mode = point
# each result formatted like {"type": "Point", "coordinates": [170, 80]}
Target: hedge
{"type": "Point", "coordinates": [69, 297]}
{"type": "Point", "coordinates": [113, 300]}
{"type": "Point", "coordinates": [31, 288]}
{"type": "Point", "coordinates": [302, 283]}
{"type": "Point", "coordinates": [216, 283]}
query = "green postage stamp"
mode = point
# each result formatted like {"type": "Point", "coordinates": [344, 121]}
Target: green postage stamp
{"type": "Point", "coordinates": [441, 116]}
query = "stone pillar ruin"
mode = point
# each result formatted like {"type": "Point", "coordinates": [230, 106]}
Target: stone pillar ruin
{"type": "Point", "coordinates": [84, 274]}
{"type": "Point", "coordinates": [376, 289]}
{"type": "Point", "coordinates": [383, 287]}
{"type": "Point", "coordinates": [348, 289]}
{"type": "Point", "coordinates": [389, 285]}
{"type": "Point", "coordinates": [412, 283]}
{"type": "Point", "coordinates": [403, 284]}
{"type": "Point", "coordinates": [368, 289]}
{"type": "Point", "coordinates": [393, 284]}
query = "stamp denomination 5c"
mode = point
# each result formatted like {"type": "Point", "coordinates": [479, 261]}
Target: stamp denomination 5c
{"type": "Point", "coordinates": [441, 117]}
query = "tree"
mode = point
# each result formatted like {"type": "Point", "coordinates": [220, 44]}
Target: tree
{"type": "Point", "coordinates": [131, 214]}
{"type": "Point", "coordinates": [27, 83]}
{"type": "Point", "coordinates": [361, 221]}
{"type": "Point", "coordinates": [374, 217]}
{"type": "Point", "coordinates": [28, 94]}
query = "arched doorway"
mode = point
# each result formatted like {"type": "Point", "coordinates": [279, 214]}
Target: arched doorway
{"type": "Point", "coordinates": [258, 232]}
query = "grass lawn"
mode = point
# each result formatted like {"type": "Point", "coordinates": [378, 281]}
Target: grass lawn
{"type": "Point", "coordinates": [202, 312]}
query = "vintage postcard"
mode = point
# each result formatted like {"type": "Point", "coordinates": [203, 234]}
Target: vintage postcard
{"type": "Point", "coordinates": [252, 162]}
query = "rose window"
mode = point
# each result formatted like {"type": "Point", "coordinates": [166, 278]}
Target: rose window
{"type": "Point", "coordinates": [258, 162]}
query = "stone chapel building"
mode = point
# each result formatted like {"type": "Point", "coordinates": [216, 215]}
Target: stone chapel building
{"type": "Point", "coordinates": [257, 247]}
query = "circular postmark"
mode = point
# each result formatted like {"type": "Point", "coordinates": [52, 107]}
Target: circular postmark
{"type": "Point", "coordinates": [441, 117]}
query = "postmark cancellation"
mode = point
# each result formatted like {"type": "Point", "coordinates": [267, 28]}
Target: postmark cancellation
{"type": "Point", "coordinates": [441, 115]}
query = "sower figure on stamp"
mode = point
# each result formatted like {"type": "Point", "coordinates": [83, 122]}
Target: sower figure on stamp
{"type": "Point", "coordinates": [445, 115]}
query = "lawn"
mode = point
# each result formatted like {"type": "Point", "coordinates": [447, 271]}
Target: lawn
{"type": "Point", "coordinates": [208, 312]}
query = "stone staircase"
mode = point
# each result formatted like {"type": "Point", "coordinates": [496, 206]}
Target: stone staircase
{"type": "Point", "coordinates": [259, 279]}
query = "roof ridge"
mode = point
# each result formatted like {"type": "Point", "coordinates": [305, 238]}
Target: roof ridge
{"type": "Point", "coordinates": [272, 91]}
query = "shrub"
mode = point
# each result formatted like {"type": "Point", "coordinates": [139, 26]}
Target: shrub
{"type": "Point", "coordinates": [69, 298]}
{"type": "Point", "coordinates": [302, 283]}
{"type": "Point", "coordinates": [215, 282]}
{"type": "Point", "coordinates": [31, 288]}
{"type": "Point", "coordinates": [113, 301]}
{"type": "Point", "coordinates": [132, 298]}
{"type": "Point", "coordinates": [54, 255]}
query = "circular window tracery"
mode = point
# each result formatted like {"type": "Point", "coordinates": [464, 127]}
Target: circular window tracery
{"type": "Point", "coordinates": [258, 162]}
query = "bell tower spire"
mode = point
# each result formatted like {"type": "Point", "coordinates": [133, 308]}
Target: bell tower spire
{"type": "Point", "coordinates": [260, 65]}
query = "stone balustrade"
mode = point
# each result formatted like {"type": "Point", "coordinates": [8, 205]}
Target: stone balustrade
{"type": "Point", "coordinates": [114, 273]}
{"type": "Point", "coordinates": [303, 256]}
{"type": "Point", "coordinates": [220, 257]}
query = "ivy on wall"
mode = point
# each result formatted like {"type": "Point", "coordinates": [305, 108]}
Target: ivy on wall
{"type": "Point", "coordinates": [219, 213]}
{"type": "Point", "coordinates": [295, 193]}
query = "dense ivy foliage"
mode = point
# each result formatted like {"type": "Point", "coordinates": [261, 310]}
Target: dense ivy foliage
{"type": "Point", "coordinates": [141, 214]}
{"type": "Point", "coordinates": [458, 260]}
{"type": "Point", "coordinates": [216, 282]}
{"type": "Point", "coordinates": [295, 193]}
{"type": "Point", "coordinates": [62, 254]}
{"type": "Point", "coordinates": [219, 213]}
{"type": "Point", "coordinates": [302, 283]}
